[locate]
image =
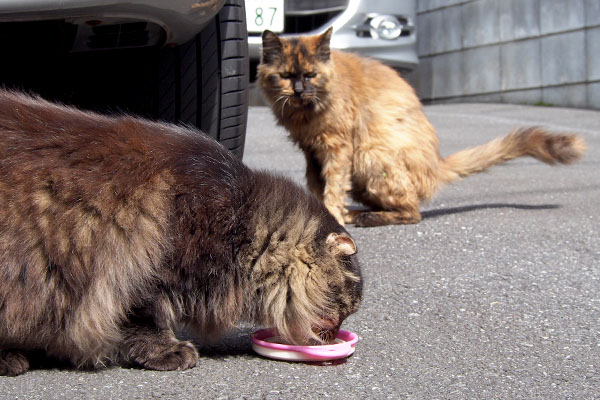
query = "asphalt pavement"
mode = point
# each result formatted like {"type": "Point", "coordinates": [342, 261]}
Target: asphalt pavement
{"type": "Point", "coordinates": [494, 295]}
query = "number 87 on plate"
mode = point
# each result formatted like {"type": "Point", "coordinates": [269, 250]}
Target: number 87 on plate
{"type": "Point", "coordinates": [264, 14]}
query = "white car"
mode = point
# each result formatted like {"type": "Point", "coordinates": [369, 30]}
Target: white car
{"type": "Point", "coordinates": [382, 29]}
{"type": "Point", "coordinates": [174, 60]}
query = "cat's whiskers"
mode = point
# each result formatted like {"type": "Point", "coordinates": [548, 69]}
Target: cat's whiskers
{"type": "Point", "coordinates": [287, 98]}
{"type": "Point", "coordinates": [283, 97]}
{"type": "Point", "coordinates": [316, 101]}
{"type": "Point", "coordinates": [278, 99]}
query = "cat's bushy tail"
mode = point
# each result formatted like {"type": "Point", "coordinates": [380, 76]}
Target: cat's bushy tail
{"type": "Point", "coordinates": [536, 142]}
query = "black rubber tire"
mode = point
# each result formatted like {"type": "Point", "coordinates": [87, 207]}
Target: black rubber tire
{"type": "Point", "coordinates": [204, 82]}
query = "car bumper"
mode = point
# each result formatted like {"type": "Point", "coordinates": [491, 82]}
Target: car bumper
{"type": "Point", "coordinates": [348, 29]}
{"type": "Point", "coordinates": [180, 19]}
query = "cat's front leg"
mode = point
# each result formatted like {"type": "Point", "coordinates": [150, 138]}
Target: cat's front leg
{"type": "Point", "coordinates": [336, 173]}
{"type": "Point", "coordinates": [153, 348]}
{"type": "Point", "coordinates": [314, 181]}
{"type": "Point", "coordinates": [150, 343]}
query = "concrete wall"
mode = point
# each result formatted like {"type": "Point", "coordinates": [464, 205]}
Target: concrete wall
{"type": "Point", "coordinates": [519, 51]}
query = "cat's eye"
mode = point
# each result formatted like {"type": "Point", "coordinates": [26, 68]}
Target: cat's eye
{"type": "Point", "coordinates": [285, 75]}
{"type": "Point", "coordinates": [310, 75]}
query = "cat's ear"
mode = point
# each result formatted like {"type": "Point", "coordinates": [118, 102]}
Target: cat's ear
{"type": "Point", "coordinates": [271, 48]}
{"type": "Point", "coordinates": [322, 49]}
{"type": "Point", "coordinates": [341, 243]}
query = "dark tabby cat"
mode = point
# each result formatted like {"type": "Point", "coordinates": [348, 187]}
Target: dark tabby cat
{"type": "Point", "coordinates": [115, 232]}
{"type": "Point", "coordinates": [363, 131]}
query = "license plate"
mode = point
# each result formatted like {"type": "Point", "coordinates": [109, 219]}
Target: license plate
{"type": "Point", "coordinates": [264, 14]}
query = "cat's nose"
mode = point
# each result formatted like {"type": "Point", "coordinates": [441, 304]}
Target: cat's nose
{"type": "Point", "coordinates": [298, 88]}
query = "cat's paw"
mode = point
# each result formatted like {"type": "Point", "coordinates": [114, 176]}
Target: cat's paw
{"type": "Point", "coordinates": [176, 356]}
{"type": "Point", "coordinates": [368, 219]}
{"type": "Point", "coordinates": [379, 218]}
{"type": "Point", "coordinates": [350, 215]}
{"type": "Point", "coordinates": [13, 363]}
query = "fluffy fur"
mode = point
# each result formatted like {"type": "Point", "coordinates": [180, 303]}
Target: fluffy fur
{"type": "Point", "coordinates": [363, 131]}
{"type": "Point", "coordinates": [116, 231]}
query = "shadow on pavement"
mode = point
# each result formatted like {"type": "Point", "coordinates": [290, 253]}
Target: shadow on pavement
{"type": "Point", "coordinates": [457, 210]}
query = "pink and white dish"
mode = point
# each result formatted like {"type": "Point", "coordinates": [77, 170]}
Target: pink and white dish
{"type": "Point", "coordinates": [268, 344]}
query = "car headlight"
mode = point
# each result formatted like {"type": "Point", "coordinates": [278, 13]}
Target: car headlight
{"type": "Point", "coordinates": [385, 27]}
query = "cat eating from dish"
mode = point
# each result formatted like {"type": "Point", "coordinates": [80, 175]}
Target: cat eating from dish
{"type": "Point", "coordinates": [116, 232]}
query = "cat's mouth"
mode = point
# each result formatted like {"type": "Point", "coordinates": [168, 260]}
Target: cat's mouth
{"type": "Point", "coordinates": [327, 335]}
{"type": "Point", "coordinates": [303, 102]}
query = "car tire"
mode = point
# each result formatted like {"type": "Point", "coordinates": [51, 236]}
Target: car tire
{"type": "Point", "coordinates": [204, 82]}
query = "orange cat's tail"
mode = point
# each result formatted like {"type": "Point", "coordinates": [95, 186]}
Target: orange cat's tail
{"type": "Point", "coordinates": [535, 142]}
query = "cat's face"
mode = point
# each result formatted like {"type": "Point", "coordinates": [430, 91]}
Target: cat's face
{"type": "Point", "coordinates": [341, 270]}
{"type": "Point", "coordinates": [295, 72]}
{"type": "Point", "coordinates": [309, 281]}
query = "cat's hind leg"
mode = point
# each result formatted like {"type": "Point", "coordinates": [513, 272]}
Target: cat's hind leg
{"type": "Point", "coordinates": [13, 362]}
{"type": "Point", "coordinates": [392, 197]}
{"type": "Point", "coordinates": [379, 218]}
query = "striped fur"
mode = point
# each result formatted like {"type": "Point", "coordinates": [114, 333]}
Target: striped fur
{"type": "Point", "coordinates": [116, 232]}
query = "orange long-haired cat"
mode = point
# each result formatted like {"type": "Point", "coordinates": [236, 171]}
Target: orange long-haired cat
{"type": "Point", "coordinates": [363, 131]}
